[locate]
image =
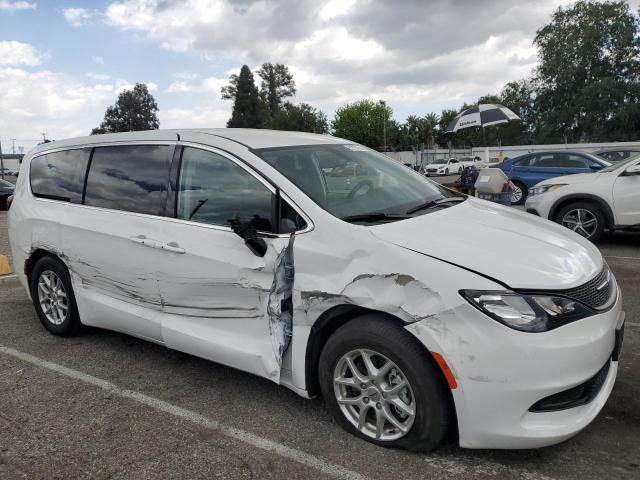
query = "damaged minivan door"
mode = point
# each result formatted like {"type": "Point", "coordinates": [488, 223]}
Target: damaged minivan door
{"type": "Point", "coordinates": [225, 280]}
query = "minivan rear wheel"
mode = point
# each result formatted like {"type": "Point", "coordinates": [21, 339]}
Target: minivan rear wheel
{"type": "Point", "coordinates": [53, 298]}
{"type": "Point", "coordinates": [382, 385]}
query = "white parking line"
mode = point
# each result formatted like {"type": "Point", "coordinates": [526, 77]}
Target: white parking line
{"type": "Point", "coordinates": [257, 441]}
{"type": "Point", "coordinates": [621, 258]}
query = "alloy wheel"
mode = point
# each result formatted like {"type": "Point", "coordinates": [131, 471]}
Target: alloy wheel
{"type": "Point", "coordinates": [516, 195]}
{"type": "Point", "coordinates": [581, 221]}
{"type": "Point", "coordinates": [374, 395]}
{"type": "Point", "coordinates": [52, 297]}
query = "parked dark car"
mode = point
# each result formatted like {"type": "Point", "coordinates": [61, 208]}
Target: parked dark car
{"type": "Point", "coordinates": [6, 190]}
{"type": "Point", "coordinates": [614, 155]}
{"type": "Point", "coordinates": [527, 170]}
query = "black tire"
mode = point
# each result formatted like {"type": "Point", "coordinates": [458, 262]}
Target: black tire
{"type": "Point", "coordinates": [460, 171]}
{"type": "Point", "coordinates": [523, 196]}
{"type": "Point", "coordinates": [3, 202]}
{"type": "Point", "coordinates": [446, 171]}
{"type": "Point", "coordinates": [71, 324]}
{"type": "Point", "coordinates": [593, 210]}
{"type": "Point", "coordinates": [433, 404]}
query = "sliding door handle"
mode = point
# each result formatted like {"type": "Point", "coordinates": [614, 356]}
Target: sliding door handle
{"type": "Point", "coordinates": [172, 247]}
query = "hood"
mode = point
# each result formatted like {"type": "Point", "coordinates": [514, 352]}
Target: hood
{"type": "Point", "coordinates": [516, 248]}
{"type": "Point", "coordinates": [574, 179]}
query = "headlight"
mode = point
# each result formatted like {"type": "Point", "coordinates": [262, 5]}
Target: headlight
{"type": "Point", "coordinates": [528, 313]}
{"type": "Point", "coordinates": [545, 188]}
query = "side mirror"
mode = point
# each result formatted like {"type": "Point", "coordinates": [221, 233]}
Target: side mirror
{"type": "Point", "coordinates": [596, 166]}
{"type": "Point", "coordinates": [249, 234]}
{"type": "Point", "coordinates": [633, 170]}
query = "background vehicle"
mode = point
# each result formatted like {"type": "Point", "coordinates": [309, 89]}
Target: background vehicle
{"type": "Point", "coordinates": [443, 166]}
{"type": "Point", "coordinates": [528, 170]}
{"type": "Point", "coordinates": [617, 154]}
{"type": "Point", "coordinates": [592, 202]}
{"type": "Point", "coordinates": [472, 162]}
{"type": "Point", "coordinates": [6, 190]}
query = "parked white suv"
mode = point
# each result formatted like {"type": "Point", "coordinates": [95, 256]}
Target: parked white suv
{"type": "Point", "coordinates": [235, 246]}
{"type": "Point", "coordinates": [589, 203]}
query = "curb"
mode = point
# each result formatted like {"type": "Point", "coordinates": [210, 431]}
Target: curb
{"type": "Point", "coordinates": [5, 268]}
{"type": "Point", "coordinates": [8, 280]}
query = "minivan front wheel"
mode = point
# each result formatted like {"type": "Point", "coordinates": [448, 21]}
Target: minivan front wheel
{"type": "Point", "coordinates": [53, 297]}
{"type": "Point", "coordinates": [382, 385]}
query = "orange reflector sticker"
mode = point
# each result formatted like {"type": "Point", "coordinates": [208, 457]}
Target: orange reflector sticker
{"type": "Point", "coordinates": [448, 374]}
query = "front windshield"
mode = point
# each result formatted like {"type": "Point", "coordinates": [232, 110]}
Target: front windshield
{"type": "Point", "coordinates": [354, 181]}
{"type": "Point", "coordinates": [440, 161]}
{"type": "Point", "coordinates": [620, 165]}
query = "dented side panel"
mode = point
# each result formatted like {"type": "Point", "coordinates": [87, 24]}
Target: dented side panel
{"type": "Point", "coordinates": [221, 302]}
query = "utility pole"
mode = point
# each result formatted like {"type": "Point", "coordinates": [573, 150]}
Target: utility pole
{"type": "Point", "coordinates": [13, 146]}
{"type": "Point", "coordinates": [44, 137]}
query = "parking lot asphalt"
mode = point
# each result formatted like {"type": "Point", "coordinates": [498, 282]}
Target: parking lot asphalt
{"type": "Point", "coordinates": [105, 405]}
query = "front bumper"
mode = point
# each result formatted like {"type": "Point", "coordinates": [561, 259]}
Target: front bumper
{"type": "Point", "coordinates": [541, 204]}
{"type": "Point", "coordinates": [501, 373]}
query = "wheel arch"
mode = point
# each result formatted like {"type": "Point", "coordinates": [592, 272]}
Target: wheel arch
{"type": "Point", "coordinates": [584, 197]}
{"type": "Point", "coordinates": [36, 255]}
{"type": "Point", "coordinates": [339, 315]}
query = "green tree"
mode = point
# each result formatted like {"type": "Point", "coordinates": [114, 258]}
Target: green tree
{"type": "Point", "coordinates": [446, 116]}
{"type": "Point", "coordinates": [418, 130]}
{"type": "Point", "coordinates": [366, 122]}
{"type": "Point", "coordinates": [589, 72]}
{"type": "Point", "coordinates": [302, 117]}
{"type": "Point", "coordinates": [242, 89]}
{"type": "Point", "coordinates": [134, 110]}
{"type": "Point", "coordinates": [276, 85]}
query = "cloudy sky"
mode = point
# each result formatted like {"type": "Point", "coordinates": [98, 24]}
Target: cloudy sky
{"type": "Point", "coordinates": [62, 63]}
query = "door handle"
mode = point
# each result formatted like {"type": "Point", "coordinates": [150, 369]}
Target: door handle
{"type": "Point", "coordinates": [143, 240]}
{"type": "Point", "coordinates": [172, 247]}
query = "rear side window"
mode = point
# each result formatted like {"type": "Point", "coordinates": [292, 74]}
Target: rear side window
{"type": "Point", "coordinates": [60, 175]}
{"type": "Point", "coordinates": [212, 189]}
{"type": "Point", "coordinates": [133, 178]}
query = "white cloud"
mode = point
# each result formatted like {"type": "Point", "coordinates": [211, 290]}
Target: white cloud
{"type": "Point", "coordinates": [98, 59]}
{"type": "Point", "coordinates": [211, 116]}
{"type": "Point", "coordinates": [62, 107]}
{"type": "Point", "coordinates": [101, 77]}
{"type": "Point", "coordinates": [336, 8]}
{"type": "Point", "coordinates": [8, 5]}
{"type": "Point", "coordinates": [78, 16]}
{"type": "Point", "coordinates": [418, 57]}
{"type": "Point", "coordinates": [18, 53]}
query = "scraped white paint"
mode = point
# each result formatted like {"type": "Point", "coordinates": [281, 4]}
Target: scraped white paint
{"type": "Point", "coordinates": [249, 438]}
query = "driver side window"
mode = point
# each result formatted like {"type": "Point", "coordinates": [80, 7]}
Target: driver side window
{"type": "Point", "coordinates": [213, 189]}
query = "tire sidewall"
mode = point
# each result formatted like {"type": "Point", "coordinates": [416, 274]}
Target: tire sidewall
{"type": "Point", "coordinates": [71, 324]}
{"type": "Point", "coordinates": [432, 405]}
{"type": "Point", "coordinates": [597, 213]}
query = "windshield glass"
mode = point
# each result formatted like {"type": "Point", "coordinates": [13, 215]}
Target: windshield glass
{"type": "Point", "coordinates": [353, 181]}
{"type": "Point", "coordinates": [620, 165]}
{"type": "Point", "coordinates": [440, 161]}
{"type": "Point", "coordinates": [4, 183]}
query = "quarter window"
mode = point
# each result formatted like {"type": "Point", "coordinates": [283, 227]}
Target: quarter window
{"type": "Point", "coordinates": [132, 178]}
{"type": "Point", "coordinates": [60, 175]}
{"type": "Point", "coordinates": [212, 189]}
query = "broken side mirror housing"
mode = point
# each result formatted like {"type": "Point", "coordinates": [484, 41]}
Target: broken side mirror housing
{"type": "Point", "coordinates": [249, 234]}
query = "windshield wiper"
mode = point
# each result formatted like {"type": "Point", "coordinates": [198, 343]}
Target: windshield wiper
{"type": "Point", "coordinates": [374, 217]}
{"type": "Point", "coordinates": [195, 210]}
{"type": "Point", "coordinates": [435, 203]}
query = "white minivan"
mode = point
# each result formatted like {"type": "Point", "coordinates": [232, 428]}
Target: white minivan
{"type": "Point", "coordinates": [414, 310]}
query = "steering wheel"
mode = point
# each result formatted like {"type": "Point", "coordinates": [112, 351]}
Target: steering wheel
{"type": "Point", "coordinates": [360, 186]}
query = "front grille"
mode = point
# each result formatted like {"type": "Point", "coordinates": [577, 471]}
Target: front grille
{"type": "Point", "coordinates": [432, 170]}
{"type": "Point", "coordinates": [576, 396]}
{"type": "Point", "coordinates": [596, 293]}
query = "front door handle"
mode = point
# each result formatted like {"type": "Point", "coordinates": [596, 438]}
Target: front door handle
{"type": "Point", "coordinates": [172, 247]}
{"type": "Point", "coordinates": [143, 240]}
